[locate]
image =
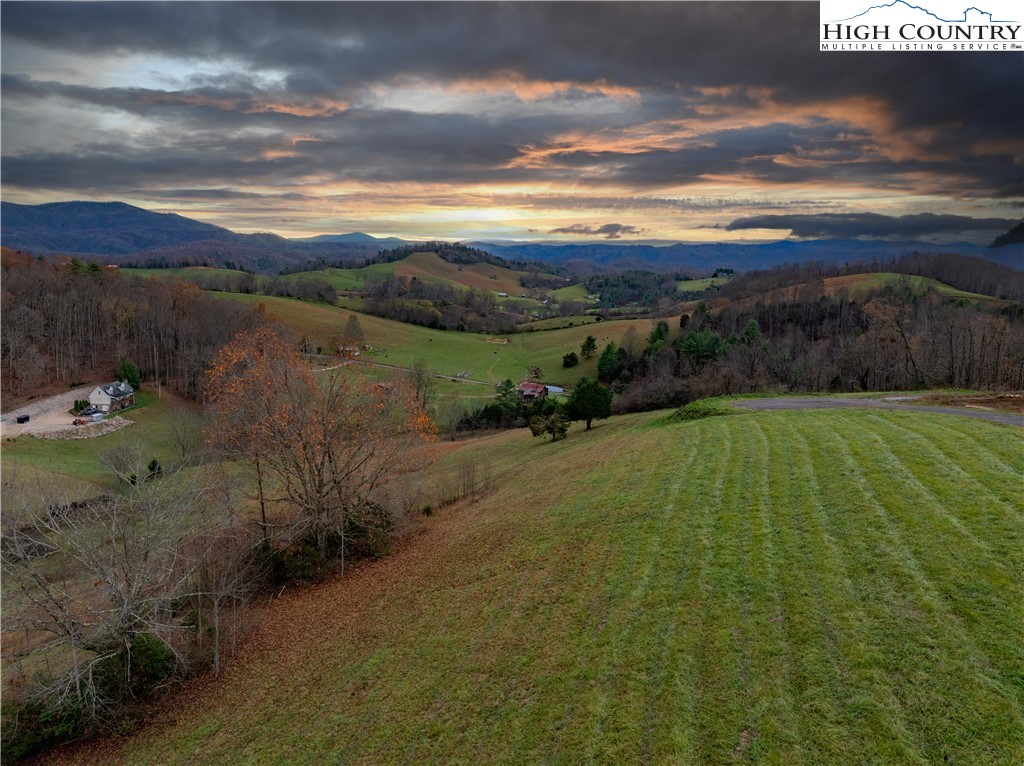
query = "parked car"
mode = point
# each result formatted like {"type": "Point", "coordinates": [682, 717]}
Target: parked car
{"type": "Point", "coordinates": [88, 411]}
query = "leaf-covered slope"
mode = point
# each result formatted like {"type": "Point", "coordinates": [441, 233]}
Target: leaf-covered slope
{"type": "Point", "coordinates": [799, 588]}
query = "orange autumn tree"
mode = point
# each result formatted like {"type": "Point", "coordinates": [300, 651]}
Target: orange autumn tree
{"type": "Point", "coordinates": [321, 444]}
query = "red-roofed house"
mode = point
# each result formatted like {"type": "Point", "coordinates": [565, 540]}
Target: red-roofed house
{"type": "Point", "coordinates": [529, 392]}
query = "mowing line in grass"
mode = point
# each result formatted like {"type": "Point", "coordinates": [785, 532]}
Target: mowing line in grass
{"type": "Point", "coordinates": [921, 683]}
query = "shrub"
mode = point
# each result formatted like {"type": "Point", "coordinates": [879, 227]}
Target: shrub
{"type": "Point", "coordinates": [35, 725]}
{"type": "Point", "coordinates": [570, 359]}
{"type": "Point", "coordinates": [652, 393]}
{"type": "Point", "coordinates": [702, 408]}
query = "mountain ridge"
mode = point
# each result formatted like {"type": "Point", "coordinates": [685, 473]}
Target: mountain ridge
{"type": "Point", "coordinates": [122, 233]}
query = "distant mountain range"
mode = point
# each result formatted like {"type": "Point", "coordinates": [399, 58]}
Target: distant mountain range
{"type": "Point", "coordinates": [119, 233]}
{"type": "Point", "coordinates": [355, 238]}
{"type": "Point", "coordinates": [741, 257]}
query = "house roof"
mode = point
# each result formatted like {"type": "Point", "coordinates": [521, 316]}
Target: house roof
{"type": "Point", "coordinates": [532, 389]}
{"type": "Point", "coordinates": [117, 389]}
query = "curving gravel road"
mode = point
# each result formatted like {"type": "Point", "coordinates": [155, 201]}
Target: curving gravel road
{"type": "Point", "coordinates": [833, 402]}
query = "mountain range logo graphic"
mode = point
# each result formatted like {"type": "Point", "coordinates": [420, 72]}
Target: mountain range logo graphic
{"type": "Point", "coordinates": [903, 5]}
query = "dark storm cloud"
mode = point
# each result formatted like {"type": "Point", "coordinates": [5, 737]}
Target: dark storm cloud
{"type": "Point", "coordinates": [326, 47]}
{"type": "Point", "coordinates": [313, 69]}
{"type": "Point", "coordinates": [608, 230]}
{"type": "Point", "coordinates": [679, 204]}
{"type": "Point", "coordinates": [842, 225]}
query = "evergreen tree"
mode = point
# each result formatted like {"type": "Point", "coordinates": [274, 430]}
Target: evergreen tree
{"type": "Point", "coordinates": [609, 364]}
{"type": "Point", "coordinates": [128, 372]}
{"type": "Point", "coordinates": [555, 424]}
{"type": "Point", "coordinates": [589, 401]}
{"type": "Point", "coordinates": [588, 347]}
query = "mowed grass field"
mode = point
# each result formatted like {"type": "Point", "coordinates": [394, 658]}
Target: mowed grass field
{"type": "Point", "coordinates": [76, 464]}
{"type": "Point", "coordinates": [485, 357]}
{"type": "Point", "coordinates": [817, 587]}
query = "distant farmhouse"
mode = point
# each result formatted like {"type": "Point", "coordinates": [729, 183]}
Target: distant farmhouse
{"type": "Point", "coordinates": [530, 392]}
{"type": "Point", "coordinates": [111, 397]}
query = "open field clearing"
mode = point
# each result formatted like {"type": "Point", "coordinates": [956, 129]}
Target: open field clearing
{"type": "Point", "coordinates": [576, 292]}
{"type": "Point", "coordinates": [696, 285]}
{"type": "Point", "coordinates": [485, 357]}
{"type": "Point", "coordinates": [858, 285]}
{"type": "Point", "coordinates": [428, 267]}
{"type": "Point", "coordinates": [814, 587]}
{"type": "Point", "coordinates": [79, 460]}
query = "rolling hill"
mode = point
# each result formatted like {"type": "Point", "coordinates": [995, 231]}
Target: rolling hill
{"type": "Point", "coordinates": [862, 285]}
{"type": "Point", "coordinates": [485, 357]}
{"type": "Point", "coordinates": [806, 588]}
{"type": "Point", "coordinates": [426, 266]}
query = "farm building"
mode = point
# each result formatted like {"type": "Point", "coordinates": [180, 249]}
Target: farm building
{"type": "Point", "coordinates": [530, 392]}
{"type": "Point", "coordinates": [111, 397]}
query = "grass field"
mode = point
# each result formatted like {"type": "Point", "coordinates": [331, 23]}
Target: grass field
{"type": "Point", "coordinates": [697, 285]}
{"type": "Point", "coordinates": [428, 267]}
{"type": "Point", "coordinates": [572, 293]}
{"type": "Point", "coordinates": [487, 358]}
{"type": "Point", "coordinates": [861, 284]}
{"type": "Point", "coordinates": [818, 587]}
{"type": "Point", "coordinates": [77, 462]}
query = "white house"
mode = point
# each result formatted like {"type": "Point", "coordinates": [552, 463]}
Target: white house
{"type": "Point", "coordinates": [110, 397]}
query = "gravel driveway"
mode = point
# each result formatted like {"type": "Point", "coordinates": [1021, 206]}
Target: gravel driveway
{"type": "Point", "coordinates": [833, 402]}
{"type": "Point", "coordinates": [46, 415]}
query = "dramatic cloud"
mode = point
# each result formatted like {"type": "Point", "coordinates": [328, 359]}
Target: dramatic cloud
{"type": "Point", "coordinates": [461, 119]}
{"type": "Point", "coordinates": [608, 230]}
{"type": "Point", "coordinates": [845, 225]}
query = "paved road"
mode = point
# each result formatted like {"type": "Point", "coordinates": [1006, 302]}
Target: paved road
{"type": "Point", "coordinates": [832, 402]}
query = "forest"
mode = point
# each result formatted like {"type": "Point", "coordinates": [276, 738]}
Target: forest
{"type": "Point", "coordinates": [896, 338]}
{"type": "Point", "coordinates": [69, 321]}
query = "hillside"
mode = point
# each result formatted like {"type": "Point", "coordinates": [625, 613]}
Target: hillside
{"type": "Point", "coordinates": [741, 257]}
{"type": "Point", "coordinates": [861, 285]}
{"type": "Point", "coordinates": [102, 228]}
{"type": "Point", "coordinates": [427, 266]}
{"type": "Point", "coordinates": [486, 358]}
{"type": "Point", "coordinates": [795, 588]}
{"type": "Point", "coordinates": [120, 233]}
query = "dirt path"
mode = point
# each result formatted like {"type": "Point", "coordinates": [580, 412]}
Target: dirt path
{"type": "Point", "coordinates": [834, 402]}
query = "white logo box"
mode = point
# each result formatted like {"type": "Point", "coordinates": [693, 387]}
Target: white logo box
{"type": "Point", "coordinates": [907, 25]}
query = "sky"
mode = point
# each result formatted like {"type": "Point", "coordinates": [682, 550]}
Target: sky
{"type": "Point", "coordinates": [573, 122]}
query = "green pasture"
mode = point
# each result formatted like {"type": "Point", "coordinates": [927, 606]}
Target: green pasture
{"type": "Point", "coordinates": [699, 285]}
{"type": "Point", "coordinates": [797, 588]}
{"type": "Point", "coordinates": [77, 463]}
{"type": "Point", "coordinates": [485, 357]}
{"type": "Point", "coordinates": [576, 292]}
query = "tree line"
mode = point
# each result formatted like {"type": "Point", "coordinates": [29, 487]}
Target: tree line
{"type": "Point", "coordinates": [964, 272]}
{"type": "Point", "coordinates": [127, 592]}
{"type": "Point", "coordinates": [440, 306]}
{"type": "Point", "coordinates": [896, 338]}
{"type": "Point", "coordinates": [63, 322]}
